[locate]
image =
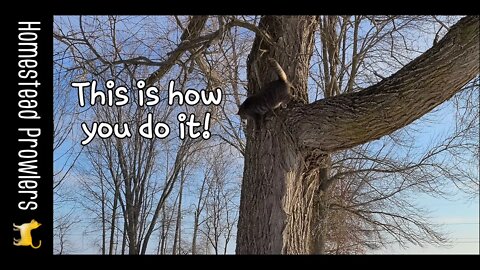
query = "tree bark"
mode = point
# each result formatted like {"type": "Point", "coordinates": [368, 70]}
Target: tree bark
{"type": "Point", "coordinates": [271, 157]}
{"type": "Point", "coordinates": [286, 160]}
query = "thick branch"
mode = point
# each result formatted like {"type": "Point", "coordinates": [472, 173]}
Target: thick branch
{"type": "Point", "coordinates": [253, 28]}
{"type": "Point", "coordinates": [351, 119]}
{"type": "Point", "coordinates": [190, 39]}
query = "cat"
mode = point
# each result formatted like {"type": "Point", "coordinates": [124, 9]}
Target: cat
{"type": "Point", "coordinates": [270, 97]}
{"type": "Point", "coordinates": [25, 234]}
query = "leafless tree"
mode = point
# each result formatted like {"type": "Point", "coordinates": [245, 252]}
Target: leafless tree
{"type": "Point", "coordinates": [220, 216]}
{"type": "Point", "coordinates": [66, 152]}
{"type": "Point", "coordinates": [63, 227]}
{"type": "Point", "coordinates": [127, 166]}
{"type": "Point", "coordinates": [348, 59]}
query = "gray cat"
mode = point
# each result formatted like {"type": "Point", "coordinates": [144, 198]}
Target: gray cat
{"type": "Point", "coordinates": [272, 96]}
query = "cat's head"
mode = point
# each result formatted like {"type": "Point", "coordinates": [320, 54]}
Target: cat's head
{"type": "Point", "coordinates": [244, 109]}
{"type": "Point", "coordinates": [241, 112]}
{"type": "Point", "coordinates": [35, 224]}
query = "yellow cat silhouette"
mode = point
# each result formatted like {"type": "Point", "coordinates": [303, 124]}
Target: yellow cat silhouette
{"type": "Point", "coordinates": [25, 234]}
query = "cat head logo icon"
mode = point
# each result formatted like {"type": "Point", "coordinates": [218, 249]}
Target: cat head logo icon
{"type": "Point", "coordinates": [25, 234]}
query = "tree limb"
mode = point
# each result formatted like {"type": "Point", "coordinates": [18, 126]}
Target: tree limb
{"type": "Point", "coordinates": [351, 119]}
{"type": "Point", "coordinates": [192, 31]}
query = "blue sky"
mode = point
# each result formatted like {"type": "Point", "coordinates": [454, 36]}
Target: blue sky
{"type": "Point", "coordinates": [460, 221]}
{"type": "Point", "coordinates": [458, 214]}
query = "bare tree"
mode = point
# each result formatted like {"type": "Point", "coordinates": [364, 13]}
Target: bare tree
{"type": "Point", "coordinates": [345, 60]}
{"type": "Point", "coordinates": [128, 165]}
{"type": "Point", "coordinates": [66, 153]}
{"type": "Point", "coordinates": [63, 227]}
{"type": "Point", "coordinates": [203, 193]}
{"type": "Point", "coordinates": [220, 215]}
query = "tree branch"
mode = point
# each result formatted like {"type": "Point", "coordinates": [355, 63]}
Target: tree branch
{"type": "Point", "coordinates": [189, 40]}
{"type": "Point", "coordinates": [253, 28]}
{"type": "Point", "coordinates": [351, 119]}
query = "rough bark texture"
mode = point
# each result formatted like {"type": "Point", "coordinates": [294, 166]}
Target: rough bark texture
{"type": "Point", "coordinates": [286, 161]}
{"type": "Point", "coordinates": [271, 156]}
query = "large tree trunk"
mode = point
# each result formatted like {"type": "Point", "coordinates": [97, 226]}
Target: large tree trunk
{"type": "Point", "coordinates": [286, 161]}
{"type": "Point", "coordinates": [272, 159]}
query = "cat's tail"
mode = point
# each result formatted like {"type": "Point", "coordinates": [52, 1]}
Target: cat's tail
{"type": "Point", "coordinates": [278, 69]}
{"type": "Point", "coordinates": [39, 244]}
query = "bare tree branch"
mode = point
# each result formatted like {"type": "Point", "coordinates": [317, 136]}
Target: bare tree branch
{"type": "Point", "coordinates": [347, 120]}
